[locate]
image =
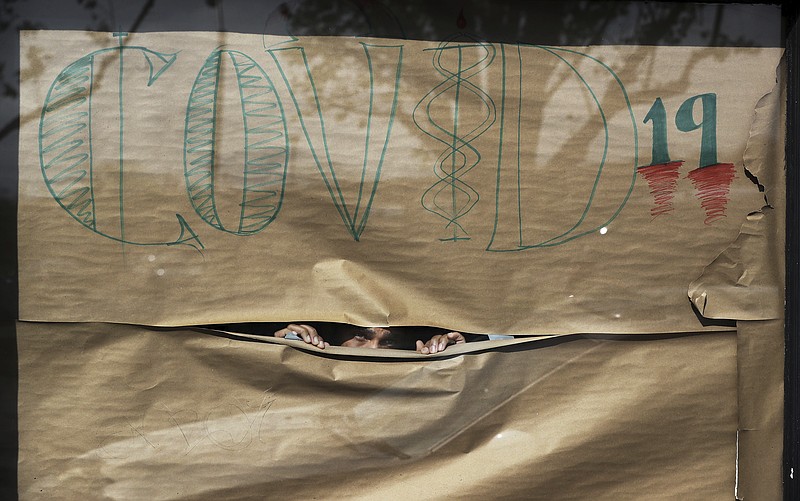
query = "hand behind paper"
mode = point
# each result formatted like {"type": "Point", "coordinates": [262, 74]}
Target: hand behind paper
{"type": "Point", "coordinates": [440, 342]}
{"type": "Point", "coordinates": [305, 332]}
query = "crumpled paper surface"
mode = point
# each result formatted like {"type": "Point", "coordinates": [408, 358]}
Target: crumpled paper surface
{"type": "Point", "coordinates": [125, 412]}
{"type": "Point", "coordinates": [571, 232]}
{"type": "Point", "coordinates": [376, 182]}
{"type": "Point", "coordinates": [746, 281]}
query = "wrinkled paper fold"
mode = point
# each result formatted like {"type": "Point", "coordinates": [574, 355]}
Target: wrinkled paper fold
{"type": "Point", "coordinates": [192, 178]}
{"type": "Point", "coordinates": [601, 203]}
{"type": "Point", "coordinates": [127, 412]}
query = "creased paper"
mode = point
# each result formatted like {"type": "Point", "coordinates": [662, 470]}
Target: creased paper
{"type": "Point", "coordinates": [194, 178]}
{"type": "Point", "coordinates": [179, 179]}
{"type": "Point", "coordinates": [746, 281]}
{"type": "Point", "coordinates": [125, 412]}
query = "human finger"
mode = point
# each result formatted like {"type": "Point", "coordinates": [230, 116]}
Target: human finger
{"type": "Point", "coordinates": [421, 348]}
{"type": "Point", "coordinates": [313, 337]}
{"type": "Point", "coordinates": [450, 338]}
{"type": "Point", "coordinates": [284, 332]}
{"type": "Point", "coordinates": [306, 332]}
{"type": "Point", "coordinates": [300, 331]}
{"type": "Point", "coordinates": [456, 337]}
{"type": "Point", "coordinates": [434, 344]}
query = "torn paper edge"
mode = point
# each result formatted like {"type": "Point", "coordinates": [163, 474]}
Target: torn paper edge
{"type": "Point", "coordinates": [757, 160]}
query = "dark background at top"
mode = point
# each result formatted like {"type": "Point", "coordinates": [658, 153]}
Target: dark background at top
{"type": "Point", "coordinates": [541, 22]}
